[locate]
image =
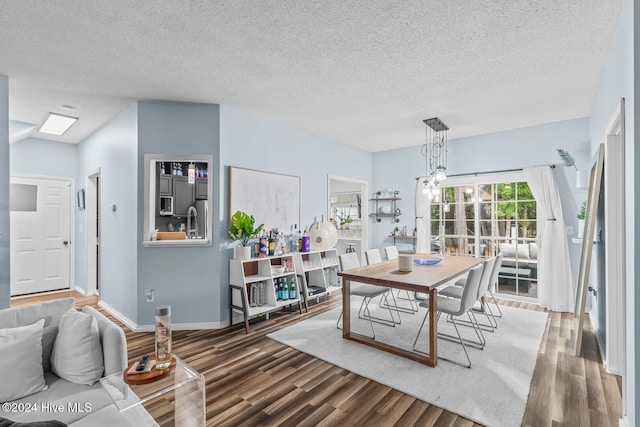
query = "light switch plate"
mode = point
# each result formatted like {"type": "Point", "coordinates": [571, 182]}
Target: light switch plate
{"type": "Point", "coordinates": [149, 295]}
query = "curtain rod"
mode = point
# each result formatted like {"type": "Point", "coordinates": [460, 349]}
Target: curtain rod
{"type": "Point", "coordinates": [489, 172]}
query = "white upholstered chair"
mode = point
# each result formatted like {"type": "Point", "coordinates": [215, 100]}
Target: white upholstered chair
{"type": "Point", "coordinates": [367, 292]}
{"type": "Point", "coordinates": [453, 308]}
{"type": "Point", "coordinates": [392, 252]}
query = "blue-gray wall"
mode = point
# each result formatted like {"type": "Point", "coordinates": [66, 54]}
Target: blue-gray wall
{"type": "Point", "coordinates": [518, 148]}
{"type": "Point", "coordinates": [619, 78]}
{"type": "Point", "coordinates": [113, 150]}
{"type": "Point", "coordinates": [187, 278]}
{"type": "Point", "coordinates": [5, 283]}
{"type": "Point", "coordinates": [252, 142]}
{"type": "Point", "coordinates": [35, 156]}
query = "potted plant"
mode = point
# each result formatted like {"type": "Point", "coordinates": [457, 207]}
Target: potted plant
{"type": "Point", "coordinates": [344, 220]}
{"type": "Point", "coordinates": [241, 227]}
{"type": "Point", "coordinates": [581, 215]}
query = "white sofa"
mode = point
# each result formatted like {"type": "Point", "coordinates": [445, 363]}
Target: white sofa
{"type": "Point", "coordinates": [526, 266]}
{"type": "Point", "coordinates": [71, 403]}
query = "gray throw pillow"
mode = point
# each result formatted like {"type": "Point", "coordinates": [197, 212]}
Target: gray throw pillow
{"type": "Point", "coordinates": [77, 352]}
{"type": "Point", "coordinates": [21, 361]}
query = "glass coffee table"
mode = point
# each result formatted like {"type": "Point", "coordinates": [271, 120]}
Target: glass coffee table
{"type": "Point", "coordinates": [176, 398]}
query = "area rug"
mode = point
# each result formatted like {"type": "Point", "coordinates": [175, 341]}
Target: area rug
{"type": "Point", "coordinates": [493, 392]}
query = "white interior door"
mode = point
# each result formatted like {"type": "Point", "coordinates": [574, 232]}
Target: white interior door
{"type": "Point", "coordinates": [40, 224]}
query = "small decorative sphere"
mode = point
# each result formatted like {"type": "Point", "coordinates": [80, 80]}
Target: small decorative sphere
{"type": "Point", "coordinates": [323, 236]}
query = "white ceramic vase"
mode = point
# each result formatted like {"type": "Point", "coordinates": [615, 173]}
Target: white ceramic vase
{"type": "Point", "coordinates": [243, 253]}
{"type": "Point", "coordinates": [580, 228]}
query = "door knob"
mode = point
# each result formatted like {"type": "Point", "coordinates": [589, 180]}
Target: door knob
{"type": "Point", "coordinates": [66, 242]}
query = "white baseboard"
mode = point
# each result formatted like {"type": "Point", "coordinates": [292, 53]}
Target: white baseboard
{"type": "Point", "coordinates": [81, 291]}
{"type": "Point", "coordinates": [605, 362]}
{"type": "Point", "coordinates": [624, 422]}
{"type": "Point", "coordinates": [150, 328]}
{"type": "Point", "coordinates": [121, 317]}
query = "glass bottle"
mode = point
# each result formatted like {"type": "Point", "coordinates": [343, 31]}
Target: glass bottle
{"type": "Point", "coordinates": [292, 288]}
{"type": "Point", "coordinates": [163, 336]}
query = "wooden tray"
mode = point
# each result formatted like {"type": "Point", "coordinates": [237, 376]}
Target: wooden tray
{"type": "Point", "coordinates": [148, 377]}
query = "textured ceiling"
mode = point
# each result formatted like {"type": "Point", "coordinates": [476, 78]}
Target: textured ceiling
{"type": "Point", "coordinates": [364, 73]}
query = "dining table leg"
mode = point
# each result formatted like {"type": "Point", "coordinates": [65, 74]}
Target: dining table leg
{"type": "Point", "coordinates": [346, 308]}
{"type": "Point", "coordinates": [433, 327]}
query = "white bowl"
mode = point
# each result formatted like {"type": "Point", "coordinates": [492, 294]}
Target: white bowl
{"type": "Point", "coordinates": [277, 269]}
{"type": "Point", "coordinates": [384, 209]}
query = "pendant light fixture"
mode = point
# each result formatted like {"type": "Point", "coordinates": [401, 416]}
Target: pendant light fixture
{"type": "Point", "coordinates": [435, 152]}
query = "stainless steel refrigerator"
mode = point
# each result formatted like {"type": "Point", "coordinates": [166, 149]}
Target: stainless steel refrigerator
{"type": "Point", "coordinates": [202, 207]}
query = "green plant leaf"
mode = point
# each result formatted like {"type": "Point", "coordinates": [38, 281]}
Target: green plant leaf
{"type": "Point", "coordinates": [582, 212]}
{"type": "Point", "coordinates": [567, 158]}
{"type": "Point", "coordinates": [241, 227]}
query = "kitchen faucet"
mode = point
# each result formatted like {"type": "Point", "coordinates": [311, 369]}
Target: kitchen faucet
{"type": "Point", "coordinates": [192, 232]}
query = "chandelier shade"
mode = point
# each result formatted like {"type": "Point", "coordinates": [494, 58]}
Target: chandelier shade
{"type": "Point", "coordinates": [435, 152]}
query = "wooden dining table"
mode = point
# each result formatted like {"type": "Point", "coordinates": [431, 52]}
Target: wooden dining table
{"type": "Point", "coordinates": [423, 278]}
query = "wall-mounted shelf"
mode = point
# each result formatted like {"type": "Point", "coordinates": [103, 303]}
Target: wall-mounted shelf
{"type": "Point", "coordinates": [380, 202]}
{"type": "Point", "coordinates": [411, 238]}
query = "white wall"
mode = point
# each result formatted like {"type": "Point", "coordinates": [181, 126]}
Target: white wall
{"type": "Point", "coordinates": [113, 150]}
{"type": "Point", "coordinates": [5, 282]}
{"type": "Point", "coordinates": [619, 81]}
{"type": "Point", "coordinates": [518, 148]}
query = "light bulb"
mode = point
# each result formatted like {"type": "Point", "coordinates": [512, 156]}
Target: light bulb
{"type": "Point", "coordinates": [441, 174]}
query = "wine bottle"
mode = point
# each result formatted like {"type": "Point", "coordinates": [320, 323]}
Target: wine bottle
{"type": "Point", "coordinates": [272, 244]}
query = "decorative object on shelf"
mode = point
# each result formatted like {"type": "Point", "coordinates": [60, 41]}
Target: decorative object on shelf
{"type": "Point", "coordinates": [241, 227]}
{"type": "Point", "coordinates": [324, 235]}
{"type": "Point", "coordinates": [191, 173]}
{"type": "Point", "coordinates": [435, 152]}
{"type": "Point", "coordinates": [344, 220]}
{"type": "Point", "coordinates": [582, 212]}
{"type": "Point", "coordinates": [582, 178]}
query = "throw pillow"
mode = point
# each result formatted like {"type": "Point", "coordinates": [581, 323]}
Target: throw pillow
{"type": "Point", "coordinates": [77, 352]}
{"type": "Point", "coordinates": [21, 361]}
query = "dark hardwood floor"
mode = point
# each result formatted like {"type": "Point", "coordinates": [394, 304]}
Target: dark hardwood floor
{"type": "Point", "coordinates": [252, 380]}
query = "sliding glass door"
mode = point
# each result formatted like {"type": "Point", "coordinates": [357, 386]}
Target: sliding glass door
{"type": "Point", "coordinates": [478, 219]}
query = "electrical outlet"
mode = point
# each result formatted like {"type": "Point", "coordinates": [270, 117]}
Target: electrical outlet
{"type": "Point", "coordinates": [149, 293]}
{"type": "Point", "coordinates": [569, 230]}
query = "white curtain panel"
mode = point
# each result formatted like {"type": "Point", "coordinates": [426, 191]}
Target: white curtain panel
{"type": "Point", "coordinates": [422, 220]}
{"type": "Point", "coordinates": [555, 283]}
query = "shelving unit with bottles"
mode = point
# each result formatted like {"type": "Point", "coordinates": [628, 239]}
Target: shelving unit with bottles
{"type": "Point", "coordinates": [380, 201]}
{"type": "Point", "coordinates": [318, 271]}
{"type": "Point", "coordinates": [252, 286]}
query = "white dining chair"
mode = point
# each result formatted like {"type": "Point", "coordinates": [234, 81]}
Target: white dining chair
{"type": "Point", "coordinates": [485, 282]}
{"type": "Point", "coordinates": [492, 286]}
{"type": "Point", "coordinates": [367, 292]}
{"type": "Point", "coordinates": [453, 308]}
{"type": "Point", "coordinates": [392, 252]}
{"type": "Point", "coordinates": [372, 256]}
